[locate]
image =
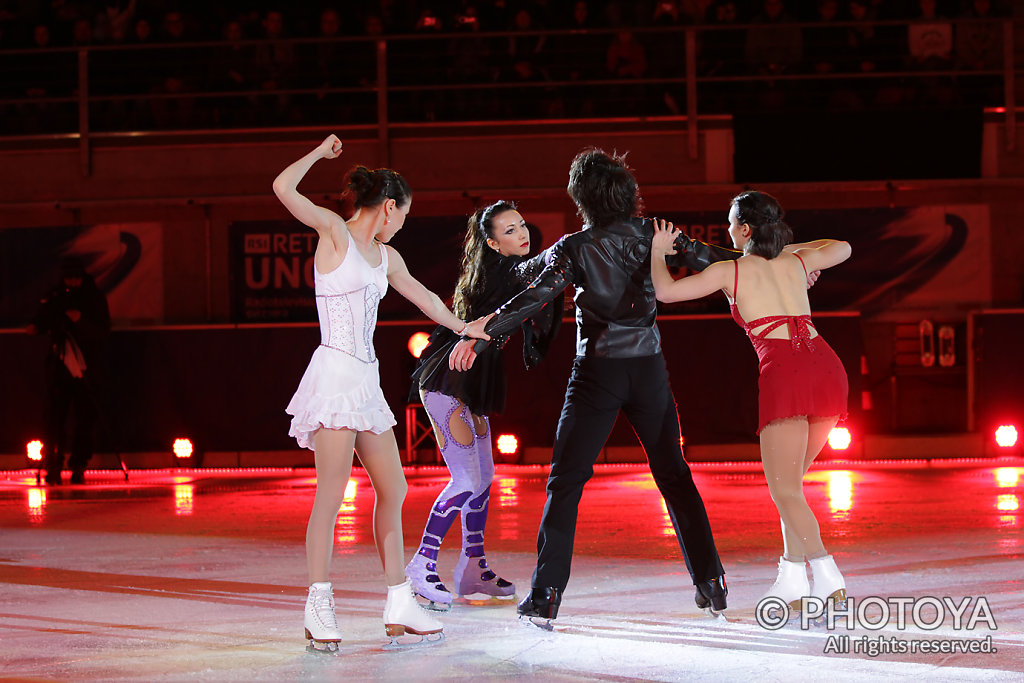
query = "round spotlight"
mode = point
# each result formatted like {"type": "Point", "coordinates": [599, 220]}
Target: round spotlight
{"type": "Point", "coordinates": [1006, 436]}
{"type": "Point", "coordinates": [508, 444]}
{"type": "Point", "coordinates": [839, 438]}
{"type": "Point", "coordinates": [34, 450]}
{"type": "Point", "coordinates": [417, 342]}
{"type": "Point", "coordinates": [182, 449]}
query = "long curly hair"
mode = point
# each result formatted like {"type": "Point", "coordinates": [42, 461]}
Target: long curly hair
{"type": "Point", "coordinates": [471, 278]}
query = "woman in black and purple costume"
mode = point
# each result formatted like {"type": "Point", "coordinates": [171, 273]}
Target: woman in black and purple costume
{"type": "Point", "coordinates": [494, 268]}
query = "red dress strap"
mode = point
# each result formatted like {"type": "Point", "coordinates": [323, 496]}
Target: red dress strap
{"type": "Point", "coordinates": [736, 279]}
{"type": "Point", "coordinates": [801, 263]}
{"type": "Point", "coordinates": [799, 328]}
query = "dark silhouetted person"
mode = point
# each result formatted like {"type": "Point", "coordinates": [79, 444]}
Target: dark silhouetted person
{"type": "Point", "coordinates": [76, 317]}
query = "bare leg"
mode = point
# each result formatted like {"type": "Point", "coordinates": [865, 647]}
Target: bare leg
{"type": "Point", "coordinates": [380, 458]}
{"type": "Point", "coordinates": [818, 429]}
{"type": "Point", "coordinates": [333, 457]}
{"type": "Point", "coordinates": [817, 435]}
{"type": "Point", "coordinates": [784, 445]}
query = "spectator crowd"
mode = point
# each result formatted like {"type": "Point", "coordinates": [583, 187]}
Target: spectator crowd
{"type": "Point", "coordinates": [202, 65]}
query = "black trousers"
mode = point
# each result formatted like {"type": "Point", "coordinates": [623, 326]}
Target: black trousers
{"type": "Point", "coordinates": [75, 397]}
{"type": "Point", "coordinates": [598, 389]}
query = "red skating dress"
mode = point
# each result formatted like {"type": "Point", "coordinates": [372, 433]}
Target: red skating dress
{"type": "Point", "coordinates": [799, 375]}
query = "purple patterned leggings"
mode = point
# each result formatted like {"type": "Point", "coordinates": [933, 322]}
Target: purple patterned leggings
{"type": "Point", "coordinates": [467, 454]}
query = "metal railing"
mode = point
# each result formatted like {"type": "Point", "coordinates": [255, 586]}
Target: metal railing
{"type": "Point", "coordinates": [372, 86]}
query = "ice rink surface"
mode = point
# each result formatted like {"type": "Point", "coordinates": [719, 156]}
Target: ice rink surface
{"type": "Point", "coordinates": [200, 575]}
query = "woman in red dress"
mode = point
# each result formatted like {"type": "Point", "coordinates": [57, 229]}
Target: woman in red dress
{"type": "Point", "coordinates": [802, 385]}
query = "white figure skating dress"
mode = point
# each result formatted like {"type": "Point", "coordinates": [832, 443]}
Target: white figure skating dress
{"type": "Point", "coordinates": [341, 386]}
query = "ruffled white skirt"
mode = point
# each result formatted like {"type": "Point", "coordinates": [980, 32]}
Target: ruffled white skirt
{"type": "Point", "coordinates": [338, 391]}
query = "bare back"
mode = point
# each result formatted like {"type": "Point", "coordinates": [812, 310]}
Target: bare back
{"type": "Point", "coordinates": [771, 287]}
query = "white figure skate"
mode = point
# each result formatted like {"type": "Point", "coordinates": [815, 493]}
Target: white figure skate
{"type": "Point", "coordinates": [321, 624]}
{"type": "Point", "coordinates": [829, 584]}
{"type": "Point", "coordinates": [791, 586]}
{"type": "Point", "coordinates": [404, 616]}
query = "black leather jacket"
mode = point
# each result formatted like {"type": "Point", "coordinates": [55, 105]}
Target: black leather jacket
{"type": "Point", "coordinates": [610, 267]}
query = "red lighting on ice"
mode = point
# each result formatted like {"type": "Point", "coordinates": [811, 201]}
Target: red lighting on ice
{"type": "Point", "coordinates": [508, 444]}
{"type": "Point", "coordinates": [182, 448]}
{"type": "Point", "coordinates": [839, 438]}
{"type": "Point", "coordinates": [1006, 436]}
{"type": "Point", "coordinates": [34, 450]}
{"type": "Point", "coordinates": [418, 342]}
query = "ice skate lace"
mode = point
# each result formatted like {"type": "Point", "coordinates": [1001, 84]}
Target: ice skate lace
{"type": "Point", "coordinates": [323, 609]}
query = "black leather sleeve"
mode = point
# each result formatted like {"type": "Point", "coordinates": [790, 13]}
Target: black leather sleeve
{"type": "Point", "coordinates": [697, 255]}
{"type": "Point", "coordinates": [552, 281]}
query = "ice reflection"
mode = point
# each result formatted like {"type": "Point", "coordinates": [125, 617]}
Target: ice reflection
{"type": "Point", "coordinates": [1007, 477]}
{"type": "Point", "coordinates": [346, 524]}
{"type": "Point", "coordinates": [840, 493]}
{"type": "Point", "coordinates": [183, 497]}
{"type": "Point", "coordinates": [507, 495]}
{"type": "Point", "coordinates": [36, 504]}
{"type": "Point", "coordinates": [1007, 502]}
{"type": "Point", "coordinates": [666, 522]}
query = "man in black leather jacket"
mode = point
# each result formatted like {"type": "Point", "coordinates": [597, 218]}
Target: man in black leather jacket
{"type": "Point", "coordinates": [618, 366]}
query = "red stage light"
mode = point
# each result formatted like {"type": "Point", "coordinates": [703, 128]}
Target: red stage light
{"type": "Point", "coordinates": [508, 444]}
{"type": "Point", "coordinates": [182, 448]}
{"type": "Point", "coordinates": [34, 450]}
{"type": "Point", "coordinates": [1006, 436]}
{"type": "Point", "coordinates": [839, 438]}
{"type": "Point", "coordinates": [418, 342]}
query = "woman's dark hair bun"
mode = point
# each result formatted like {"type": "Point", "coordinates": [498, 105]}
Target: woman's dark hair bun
{"type": "Point", "coordinates": [370, 188]}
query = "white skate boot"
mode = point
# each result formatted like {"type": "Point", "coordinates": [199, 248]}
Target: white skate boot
{"type": "Point", "coordinates": [403, 615]}
{"type": "Point", "coordinates": [427, 584]}
{"type": "Point", "coordinates": [829, 584]}
{"type": "Point", "coordinates": [790, 585]}
{"type": "Point", "coordinates": [321, 625]}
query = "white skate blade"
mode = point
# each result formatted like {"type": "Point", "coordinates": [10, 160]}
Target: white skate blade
{"type": "Point", "coordinates": [407, 641]}
{"type": "Point", "coordinates": [427, 603]}
{"type": "Point", "coordinates": [480, 599]}
{"type": "Point", "coordinates": [324, 647]}
{"type": "Point", "coordinates": [539, 622]}
{"type": "Point", "coordinates": [828, 619]}
{"type": "Point", "coordinates": [717, 616]}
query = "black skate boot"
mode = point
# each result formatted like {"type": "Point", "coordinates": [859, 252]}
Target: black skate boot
{"type": "Point", "coordinates": [711, 594]}
{"type": "Point", "coordinates": [540, 607]}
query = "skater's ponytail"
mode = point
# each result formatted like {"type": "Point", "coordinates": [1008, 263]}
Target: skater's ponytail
{"type": "Point", "coordinates": [370, 188]}
{"type": "Point", "coordinates": [479, 229]}
{"type": "Point", "coordinates": [763, 213]}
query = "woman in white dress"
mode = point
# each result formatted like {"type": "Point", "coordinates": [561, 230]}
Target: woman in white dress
{"type": "Point", "coordinates": [339, 406]}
